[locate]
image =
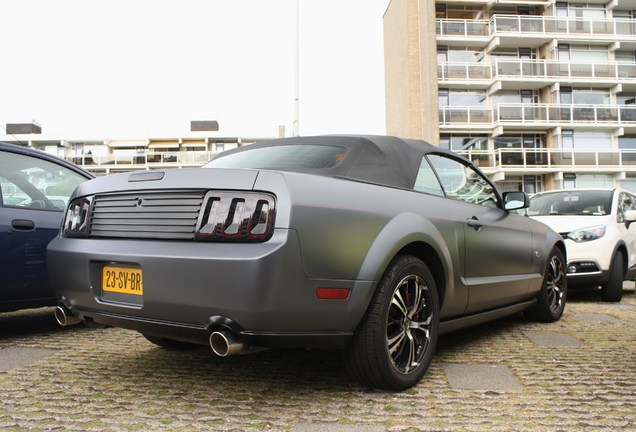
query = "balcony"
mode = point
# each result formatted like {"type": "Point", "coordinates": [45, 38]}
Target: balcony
{"type": "Point", "coordinates": [119, 163]}
{"type": "Point", "coordinates": [448, 73]}
{"type": "Point", "coordinates": [536, 30]}
{"type": "Point", "coordinates": [542, 161]}
{"type": "Point", "coordinates": [539, 116]}
{"type": "Point", "coordinates": [528, 74]}
{"type": "Point", "coordinates": [550, 71]}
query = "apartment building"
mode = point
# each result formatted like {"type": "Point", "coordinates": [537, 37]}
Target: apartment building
{"type": "Point", "coordinates": [541, 94]}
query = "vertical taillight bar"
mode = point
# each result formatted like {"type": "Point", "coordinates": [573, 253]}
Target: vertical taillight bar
{"type": "Point", "coordinates": [236, 216]}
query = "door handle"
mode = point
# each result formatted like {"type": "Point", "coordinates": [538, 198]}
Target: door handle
{"type": "Point", "coordinates": [474, 223]}
{"type": "Point", "coordinates": [23, 224]}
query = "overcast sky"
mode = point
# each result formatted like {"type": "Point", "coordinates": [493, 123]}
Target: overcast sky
{"type": "Point", "coordinates": [146, 68]}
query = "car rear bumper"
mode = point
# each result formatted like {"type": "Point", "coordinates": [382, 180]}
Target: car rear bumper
{"type": "Point", "coordinates": [199, 334]}
{"type": "Point", "coordinates": [191, 287]}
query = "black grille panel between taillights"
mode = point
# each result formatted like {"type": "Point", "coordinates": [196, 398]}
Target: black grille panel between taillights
{"type": "Point", "coordinates": [183, 215]}
{"type": "Point", "coordinates": [156, 215]}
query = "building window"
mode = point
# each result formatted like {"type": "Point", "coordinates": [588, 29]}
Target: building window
{"type": "Point", "coordinates": [515, 97]}
{"type": "Point", "coordinates": [587, 181]}
{"type": "Point", "coordinates": [592, 140]}
{"type": "Point", "coordinates": [510, 149]}
{"type": "Point", "coordinates": [627, 146]}
{"type": "Point", "coordinates": [443, 98]}
{"type": "Point", "coordinates": [629, 183]}
{"type": "Point", "coordinates": [460, 98]}
{"type": "Point", "coordinates": [458, 142]}
{"type": "Point", "coordinates": [586, 140]}
{"type": "Point", "coordinates": [569, 181]}
{"type": "Point", "coordinates": [567, 139]}
{"type": "Point", "coordinates": [531, 184]}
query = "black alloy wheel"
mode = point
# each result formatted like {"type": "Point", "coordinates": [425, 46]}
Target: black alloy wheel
{"type": "Point", "coordinates": [394, 344]}
{"type": "Point", "coordinates": [552, 297]}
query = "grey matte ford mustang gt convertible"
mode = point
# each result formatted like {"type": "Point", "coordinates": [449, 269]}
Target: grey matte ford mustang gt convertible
{"type": "Point", "coordinates": [370, 244]}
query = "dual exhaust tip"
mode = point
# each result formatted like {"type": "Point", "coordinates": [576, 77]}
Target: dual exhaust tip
{"type": "Point", "coordinates": [223, 343]}
{"type": "Point", "coordinates": [65, 317]}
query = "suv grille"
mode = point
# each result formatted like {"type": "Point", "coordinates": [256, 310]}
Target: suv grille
{"type": "Point", "coordinates": [156, 215]}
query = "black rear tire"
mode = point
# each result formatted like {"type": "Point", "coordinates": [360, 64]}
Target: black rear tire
{"type": "Point", "coordinates": [553, 294]}
{"type": "Point", "coordinates": [171, 344]}
{"type": "Point", "coordinates": [394, 343]}
{"type": "Point", "coordinates": [612, 290]}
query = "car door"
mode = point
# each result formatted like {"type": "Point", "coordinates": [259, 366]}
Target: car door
{"type": "Point", "coordinates": [33, 198]}
{"type": "Point", "coordinates": [497, 244]}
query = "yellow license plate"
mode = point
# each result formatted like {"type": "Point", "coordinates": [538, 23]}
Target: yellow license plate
{"type": "Point", "coordinates": [122, 280]}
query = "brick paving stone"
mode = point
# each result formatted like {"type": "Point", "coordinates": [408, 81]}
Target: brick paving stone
{"type": "Point", "coordinates": [553, 339]}
{"type": "Point", "coordinates": [114, 380]}
{"type": "Point", "coordinates": [596, 317]}
{"type": "Point", "coordinates": [481, 377]}
{"type": "Point", "coordinates": [12, 357]}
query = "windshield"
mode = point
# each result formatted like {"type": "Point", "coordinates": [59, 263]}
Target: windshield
{"type": "Point", "coordinates": [289, 157]}
{"type": "Point", "coordinates": [584, 202]}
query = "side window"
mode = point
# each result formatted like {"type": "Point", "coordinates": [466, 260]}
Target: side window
{"type": "Point", "coordinates": [462, 182]}
{"type": "Point", "coordinates": [12, 195]}
{"type": "Point", "coordinates": [29, 182]}
{"type": "Point", "coordinates": [625, 202]}
{"type": "Point", "coordinates": [427, 181]}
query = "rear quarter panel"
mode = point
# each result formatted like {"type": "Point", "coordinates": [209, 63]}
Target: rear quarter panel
{"type": "Point", "coordinates": [350, 230]}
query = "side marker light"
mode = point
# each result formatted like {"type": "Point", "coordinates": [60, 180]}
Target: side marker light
{"type": "Point", "coordinates": [333, 293]}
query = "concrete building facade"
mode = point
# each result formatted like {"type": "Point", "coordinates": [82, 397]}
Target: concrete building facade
{"type": "Point", "coordinates": [541, 94]}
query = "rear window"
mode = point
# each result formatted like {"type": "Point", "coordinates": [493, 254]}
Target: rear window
{"type": "Point", "coordinates": [283, 158]}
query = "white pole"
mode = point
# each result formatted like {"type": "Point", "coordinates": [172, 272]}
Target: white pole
{"type": "Point", "coordinates": [296, 128]}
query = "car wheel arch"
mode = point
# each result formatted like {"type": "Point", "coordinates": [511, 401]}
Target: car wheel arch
{"type": "Point", "coordinates": [563, 250]}
{"type": "Point", "coordinates": [621, 246]}
{"type": "Point", "coordinates": [410, 234]}
{"type": "Point", "coordinates": [428, 255]}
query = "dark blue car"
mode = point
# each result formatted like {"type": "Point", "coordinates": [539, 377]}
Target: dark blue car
{"type": "Point", "coordinates": [34, 191]}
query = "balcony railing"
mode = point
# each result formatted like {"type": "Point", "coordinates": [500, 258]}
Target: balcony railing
{"type": "Point", "coordinates": [159, 159]}
{"type": "Point", "coordinates": [552, 159]}
{"type": "Point", "coordinates": [541, 159]}
{"type": "Point", "coordinates": [464, 71]}
{"type": "Point", "coordinates": [534, 114]}
{"type": "Point", "coordinates": [546, 70]}
{"type": "Point", "coordinates": [542, 26]}
{"type": "Point", "coordinates": [462, 28]}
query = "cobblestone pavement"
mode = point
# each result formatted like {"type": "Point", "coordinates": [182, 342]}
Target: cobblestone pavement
{"type": "Point", "coordinates": [576, 374]}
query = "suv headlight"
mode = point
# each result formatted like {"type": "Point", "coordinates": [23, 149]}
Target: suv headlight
{"type": "Point", "coordinates": [587, 234]}
{"type": "Point", "coordinates": [77, 218]}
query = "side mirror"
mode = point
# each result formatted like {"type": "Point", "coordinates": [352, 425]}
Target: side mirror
{"type": "Point", "coordinates": [630, 217]}
{"type": "Point", "coordinates": [516, 200]}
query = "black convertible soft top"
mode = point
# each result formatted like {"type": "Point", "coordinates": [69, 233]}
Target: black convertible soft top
{"type": "Point", "coordinates": [384, 160]}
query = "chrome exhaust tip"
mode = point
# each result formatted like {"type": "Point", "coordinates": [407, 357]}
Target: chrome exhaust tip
{"type": "Point", "coordinates": [64, 317]}
{"type": "Point", "coordinates": [225, 343]}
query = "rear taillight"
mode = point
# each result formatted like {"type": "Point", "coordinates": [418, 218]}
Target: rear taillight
{"type": "Point", "coordinates": [76, 222]}
{"type": "Point", "coordinates": [236, 216]}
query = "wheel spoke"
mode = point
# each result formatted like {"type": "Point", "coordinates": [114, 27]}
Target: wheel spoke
{"type": "Point", "coordinates": [399, 302]}
{"type": "Point", "coordinates": [412, 350]}
{"type": "Point", "coordinates": [417, 298]}
{"type": "Point", "coordinates": [408, 324]}
{"type": "Point", "coordinates": [395, 343]}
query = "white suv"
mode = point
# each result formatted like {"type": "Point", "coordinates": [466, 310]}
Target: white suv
{"type": "Point", "coordinates": [599, 231]}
